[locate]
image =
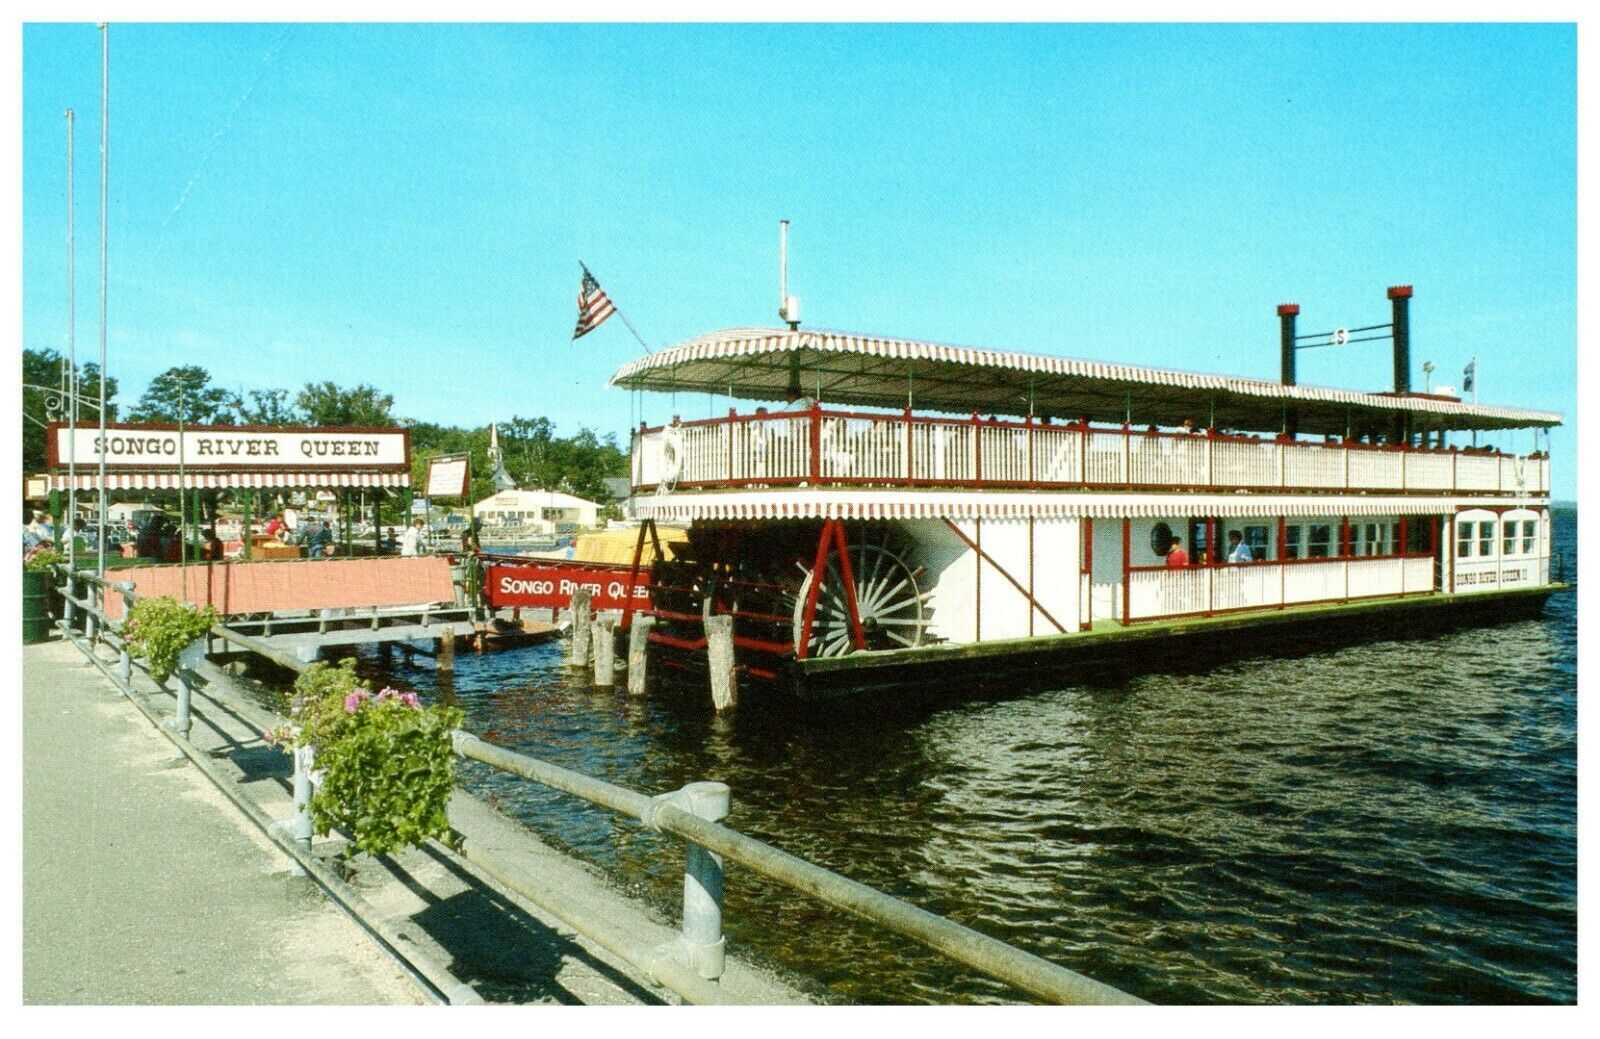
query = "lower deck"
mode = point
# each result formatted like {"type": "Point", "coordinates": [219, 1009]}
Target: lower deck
{"type": "Point", "coordinates": [1111, 648]}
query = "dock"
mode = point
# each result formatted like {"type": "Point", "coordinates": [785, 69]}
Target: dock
{"type": "Point", "coordinates": [167, 891]}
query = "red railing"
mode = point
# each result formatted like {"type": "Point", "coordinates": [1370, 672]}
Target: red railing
{"type": "Point", "coordinates": [847, 448]}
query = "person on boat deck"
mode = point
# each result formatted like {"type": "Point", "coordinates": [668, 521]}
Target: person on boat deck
{"type": "Point", "coordinates": [1238, 551]}
{"type": "Point", "coordinates": [1187, 426]}
{"type": "Point", "coordinates": [798, 401]}
{"type": "Point", "coordinates": [1176, 556]}
{"type": "Point", "coordinates": [276, 527]}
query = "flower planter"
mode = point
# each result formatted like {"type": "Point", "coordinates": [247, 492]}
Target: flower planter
{"type": "Point", "coordinates": [35, 606]}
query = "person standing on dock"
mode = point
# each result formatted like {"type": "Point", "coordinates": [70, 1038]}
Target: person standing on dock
{"type": "Point", "coordinates": [411, 540]}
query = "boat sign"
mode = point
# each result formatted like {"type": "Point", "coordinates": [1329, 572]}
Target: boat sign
{"type": "Point", "coordinates": [552, 586]}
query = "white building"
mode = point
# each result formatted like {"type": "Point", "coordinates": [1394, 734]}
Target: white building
{"type": "Point", "coordinates": [542, 510]}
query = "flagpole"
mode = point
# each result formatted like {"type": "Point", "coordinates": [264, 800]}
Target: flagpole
{"type": "Point", "coordinates": [618, 311]}
{"type": "Point", "coordinates": [105, 135]}
{"type": "Point", "coordinates": [72, 364]}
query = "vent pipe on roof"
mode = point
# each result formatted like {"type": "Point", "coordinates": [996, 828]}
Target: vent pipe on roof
{"type": "Point", "coordinates": [788, 306]}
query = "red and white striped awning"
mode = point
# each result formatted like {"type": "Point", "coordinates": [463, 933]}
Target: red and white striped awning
{"type": "Point", "coordinates": [167, 481]}
{"type": "Point", "coordinates": [1000, 505]}
{"type": "Point", "coordinates": [763, 363]}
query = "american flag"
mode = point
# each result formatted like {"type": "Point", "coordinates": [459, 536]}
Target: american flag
{"type": "Point", "coordinates": [594, 306]}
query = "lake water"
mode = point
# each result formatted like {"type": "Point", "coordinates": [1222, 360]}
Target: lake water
{"type": "Point", "coordinates": [1390, 822]}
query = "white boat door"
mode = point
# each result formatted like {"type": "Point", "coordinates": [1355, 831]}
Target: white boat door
{"type": "Point", "coordinates": [1105, 578]}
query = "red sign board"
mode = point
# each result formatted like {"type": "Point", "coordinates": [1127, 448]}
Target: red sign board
{"type": "Point", "coordinates": [552, 585]}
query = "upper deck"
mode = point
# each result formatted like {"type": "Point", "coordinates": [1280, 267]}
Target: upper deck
{"type": "Point", "coordinates": [1054, 423]}
{"type": "Point", "coordinates": [825, 447]}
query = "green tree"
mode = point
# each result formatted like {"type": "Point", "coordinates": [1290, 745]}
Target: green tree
{"type": "Point", "coordinates": [325, 404]}
{"type": "Point", "coordinates": [266, 408]}
{"type": "Point", "coordinates": [44, 368]}
{"type": "Point", "coordinates": [184, 394]}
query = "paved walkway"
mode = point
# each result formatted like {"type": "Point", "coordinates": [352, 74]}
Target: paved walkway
{"type": "Point", "coordinates": [143, 885]}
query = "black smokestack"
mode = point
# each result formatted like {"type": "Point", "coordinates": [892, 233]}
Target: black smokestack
{"type": "Point", "coordinates": [1287, 312]}
{"type": "Point", "coordinates": [1400, 299]}
{"type": "Point", "coordinates": [1286, 316]}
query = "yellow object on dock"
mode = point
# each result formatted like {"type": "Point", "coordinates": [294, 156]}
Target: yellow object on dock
{"type": "Point", "coordinates": [616, 546]}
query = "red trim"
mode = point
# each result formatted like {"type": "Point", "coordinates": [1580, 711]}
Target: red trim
{"type": "Point", "coordinates": [849, 579]}
{"type": "Point", "coordinates": [1316, 561]}
{"type": "Point", "coordinates": [977, 450]}
{"type": "Point", "coordinates": [693, 645]}
{"type": "Point", "coordinates": [1088, 571]}
{"type": "Point", "coordinates": [816, 452]}
{"type": "Point", "coordinates": [818, 574]}
{"type": "Point", "coordinates": [763, 645]}
{"type": "Point", "coordinates": [1127, 568]}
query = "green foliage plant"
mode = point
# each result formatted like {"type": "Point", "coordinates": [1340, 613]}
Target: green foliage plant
{"type": "Point", "coordinates": [159, 628]}
{"type": "Point", "coordinates": [44, 561]}
{"type": "Point", "coordinates": [385, 761]}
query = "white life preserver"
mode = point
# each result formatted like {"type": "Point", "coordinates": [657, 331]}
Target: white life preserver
{"type": "Point", "coordinates": [671, 458]}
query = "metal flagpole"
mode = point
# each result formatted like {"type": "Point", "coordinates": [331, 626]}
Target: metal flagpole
{"type": "Point", "coordinates": [183, 504]}
{"type": "Point", "coordinates": [72, 365]}
{"type": "Point", "coordinates": [105, 107]}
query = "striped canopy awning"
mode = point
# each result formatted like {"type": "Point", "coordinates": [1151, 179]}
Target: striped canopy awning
{"type": "Point", "coordinates": [763, 364]}
{"type": "Point", "coordinates": [168, 481]}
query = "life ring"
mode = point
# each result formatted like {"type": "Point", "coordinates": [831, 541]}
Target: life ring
{"type": "Point", "coordinates": [671, 459]}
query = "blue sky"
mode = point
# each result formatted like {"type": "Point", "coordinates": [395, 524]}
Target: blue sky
{"type": "Point", "coordinates": [406, 206]}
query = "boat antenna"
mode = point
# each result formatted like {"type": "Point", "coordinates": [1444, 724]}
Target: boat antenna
{"type": "Point", "coordinates": [788, 306]}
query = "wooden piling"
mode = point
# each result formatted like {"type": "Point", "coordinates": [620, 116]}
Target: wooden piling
{"type": "Point", "coordinates": [638, 652]}
{"type": "Point", "coordinates": [605, 651]}
{"type": "Point", "coordinates": [719, 658]}
{"type": "Point", "coordinates": [447, 652]}
{"type": "Point", "coordinates": [580, 629]}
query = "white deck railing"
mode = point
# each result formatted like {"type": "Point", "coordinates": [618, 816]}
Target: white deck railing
{"type": "Point", "coordinates": [1155, 593]}
{"type": "Point", "coordinates": [887, 450]}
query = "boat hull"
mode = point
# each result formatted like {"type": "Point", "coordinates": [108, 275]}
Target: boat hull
{"type": "Point", "coordinates": [1041, 662]}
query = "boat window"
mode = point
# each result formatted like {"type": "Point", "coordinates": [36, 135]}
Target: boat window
{"type": "Point", "coordinates": [1319, 536]}
{"type": "Point", "coordinates": [1528, 534]}
{"type": "Point", "coordinates": [1486, 538]}
{"type": "Point", "coordinates": [1508, 538]}
{"type": "Point", "coordinates": [1256, 538]}
{"type": "Point", "coordinates": [1291, 541]}
{"type": "Point", "coordinates": [1160, 539]}
{"type": "Point", "coordinates": [1419, 535]}
{"type": "Point", "coordinates": [1463, 540]}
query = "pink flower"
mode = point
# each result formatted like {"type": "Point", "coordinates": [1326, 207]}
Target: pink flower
{"type": "Point", "coordinates": [353, 701]}
{"type": "Point", "coordinates": [409, 699]}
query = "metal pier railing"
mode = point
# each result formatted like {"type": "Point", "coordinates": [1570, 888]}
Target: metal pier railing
{"type": "Point", "coordinates": [692, 969]}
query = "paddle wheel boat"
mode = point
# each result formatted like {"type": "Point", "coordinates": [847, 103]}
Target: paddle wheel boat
{"type": "Point", "coordinates": [888, 507]}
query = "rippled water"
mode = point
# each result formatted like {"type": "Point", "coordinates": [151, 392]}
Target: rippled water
{"type": "Point", "coordinates": [1393, 822]}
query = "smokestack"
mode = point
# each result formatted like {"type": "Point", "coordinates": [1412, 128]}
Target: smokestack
{"type": "Point", "coordinates": [1400, 298]}
{"type": "Point", "coordinates": [1287, 312]}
